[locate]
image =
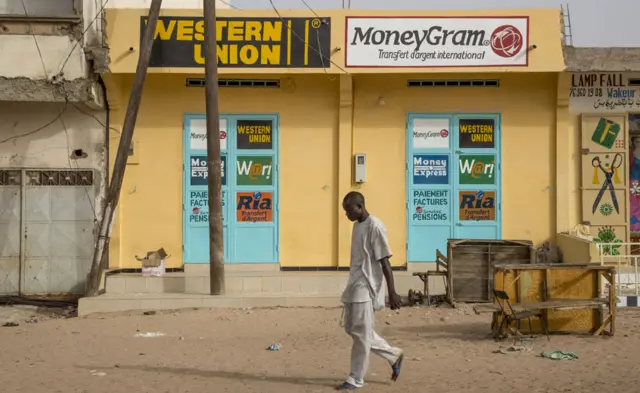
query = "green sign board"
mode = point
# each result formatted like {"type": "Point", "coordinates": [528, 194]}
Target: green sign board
{"type": "Point", "coordinates": [606, 133]}
{"type": "Point", "coordinates": [477, 169]}
{"type": "Point", "coordinates": [254, 171]}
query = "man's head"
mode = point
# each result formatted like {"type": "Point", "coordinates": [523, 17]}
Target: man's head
{"type": "Point", "coordinates": [353, 205]}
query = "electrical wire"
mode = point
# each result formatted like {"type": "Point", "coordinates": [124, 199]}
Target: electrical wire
{"type": "Point", "coordinates": [229, 4]}
{"type": "Point", "coordinates": [84, 32]}
{"type": "Point", "coordinates": [322, 56]}
{"type": "Point", "coordinates": [64, 109]}
{"type": "Point", "coordinates": [311, 9]}
{"type": "Point", "coordinates": [26, 14]}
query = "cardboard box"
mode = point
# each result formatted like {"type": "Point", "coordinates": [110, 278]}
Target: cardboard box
{"type": "Point", "coordinates": [153, 265]}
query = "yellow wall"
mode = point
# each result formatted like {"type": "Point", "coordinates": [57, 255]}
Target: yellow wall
{"type": "Point", "coordinates": [150, 209]}
{"type": "Point", "coordinates": [527, 104]}
{"type": "Point", "coordinates": [325, 117]}
{"type": "Point", "coordinates": [545, 29]}
{"type": "Point", "coordinates": [150, 212]}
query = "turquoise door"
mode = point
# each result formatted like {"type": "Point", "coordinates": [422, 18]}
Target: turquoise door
{"type": "Point", "coordinates": [453, 181]}
{"type": "Point", "coordinates": [249, 189]}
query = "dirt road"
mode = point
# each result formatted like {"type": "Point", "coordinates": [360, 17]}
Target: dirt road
{"type": "Point", "coordinates": [225, 351]}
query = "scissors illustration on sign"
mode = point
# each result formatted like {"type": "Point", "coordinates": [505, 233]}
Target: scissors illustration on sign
{"type": "Point", "coordinates": [608, 183]}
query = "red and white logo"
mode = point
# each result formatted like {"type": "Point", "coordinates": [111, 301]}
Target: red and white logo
{"type": "Point", "coordinates": [223, 135]}
{"type": "Point", "coordinates": [506, 41]}
{"type": "Point", "coordinates": [444, 133]}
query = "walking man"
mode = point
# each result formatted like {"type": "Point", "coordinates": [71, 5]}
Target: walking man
{"type": "Point", "coordinates": [364, 294]}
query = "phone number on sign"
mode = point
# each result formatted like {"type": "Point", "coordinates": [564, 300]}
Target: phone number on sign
{"type": "Point", "coordinates": [585, 92]}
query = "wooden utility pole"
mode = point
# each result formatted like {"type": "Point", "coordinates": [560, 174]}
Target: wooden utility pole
{"type": "Point", "coordinates": [214, 162]}
{"type": "Point", "coordinates": [100, 251]}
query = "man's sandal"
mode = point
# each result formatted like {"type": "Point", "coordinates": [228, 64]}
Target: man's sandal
{"type": "Point", "coordinates": [397, 367]}
{"type": "Point", "coordinates": [346, 386]}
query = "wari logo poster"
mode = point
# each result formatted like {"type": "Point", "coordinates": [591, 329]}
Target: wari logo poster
{"type": "Point", "coordinates": [437, 41]}
{"type": "Point", "coordinates": [477, 205]}
{"type": "Point", "coordinates": [254, 206]}
{"type": "Point", "coordinates": [476, 169]}
{"type": "Point", "coordinates": [254, 171]}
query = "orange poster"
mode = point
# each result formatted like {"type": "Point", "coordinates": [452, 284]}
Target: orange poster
{"type": "Point", "coordinates": [254, 206]}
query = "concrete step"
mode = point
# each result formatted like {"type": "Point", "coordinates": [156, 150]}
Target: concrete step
{"type": "Point", "coordinates": [287, 283]}
{"type": "Point", "coordinates": [174, 301]}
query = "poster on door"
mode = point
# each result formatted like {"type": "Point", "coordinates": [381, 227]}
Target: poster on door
{"type": "Point", "coordinates": [477, 205]}
{"type": "Point", "coordinates": [476, 169]}
{"type": "Point", "coordinates": [430, 206]}
{"type": "Point", "coordinates": [199, 206]}
{"type": "Point", "coordinates": [430, 133]}
{"type": "Point", "coordinates": [255, 134]}
{"type": "Point", "coordinates": [198, 134]}
{"type": "Point", "coordinates": [254, 206]}
{"type": "Point", "coordinates": [477, 133]}
{"type": "Point", "coordinates": [254, 170]}
{"type": "Point", "coordinates": [430, 169]}
{"type": "Point", "coordinates": [199, 174]}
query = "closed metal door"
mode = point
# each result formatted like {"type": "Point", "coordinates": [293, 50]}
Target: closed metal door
{"type": "Point", "coordinates": [47, 219]}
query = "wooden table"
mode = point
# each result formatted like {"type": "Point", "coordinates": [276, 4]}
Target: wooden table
{"type": "Point", "coordinates": [581, 281]}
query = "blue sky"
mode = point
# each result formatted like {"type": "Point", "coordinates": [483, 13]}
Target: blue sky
{"type": "Point", "coordinates": [593, 22]}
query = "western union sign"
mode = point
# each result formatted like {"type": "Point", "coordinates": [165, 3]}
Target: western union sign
{"type": "Point", "coordinates": [243, 42]}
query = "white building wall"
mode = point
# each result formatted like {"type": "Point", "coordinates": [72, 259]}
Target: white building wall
{"type": "Point", "coordinates": [20, 57]}
{"type": "Point", "coordinates": [32, 136]}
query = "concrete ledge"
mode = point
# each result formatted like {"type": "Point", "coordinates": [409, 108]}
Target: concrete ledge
{"type": "Point", "coordinates": [42, 90]}
{"type": "Point", "coordinates": [145, 302]}
{"type": "Point", "coordinates": [203, 269]}
{"type": "Point", "coordinates": [284, 283]}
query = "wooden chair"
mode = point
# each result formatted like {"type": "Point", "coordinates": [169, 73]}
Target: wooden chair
{"type": "Point", "coordinates": [509, 315]}
{"type": "Point", "coordinates": [441, 271]}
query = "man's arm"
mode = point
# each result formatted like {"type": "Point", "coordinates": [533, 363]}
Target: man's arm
{"type": "Point", "coordinates": [394, 299]}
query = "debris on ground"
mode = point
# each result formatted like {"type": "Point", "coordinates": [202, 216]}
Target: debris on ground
{"type": "Point", "coordinates": [97, 373]}
{"type": "Point", "coordinates": [273, 347]}
{"type": "Point", "coordinates": [10, 324]}
{"type": "Point", "coordinates": [512, 349]}
{"type": "Point", "coordinates": [149, 313]}
{"type": "Point", "coordinates": [559, 355]}
{"type": "Point", "coordinates": [149, 334]}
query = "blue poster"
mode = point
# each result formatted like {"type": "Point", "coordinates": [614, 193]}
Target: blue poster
{"type": "Point", "coordinates": [199, 174]}
{"type": "Point", "coordinates": [430, 169]}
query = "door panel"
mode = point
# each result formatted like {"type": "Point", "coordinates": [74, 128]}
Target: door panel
{"type": "Point", "coordinates": [453, 178]}
{"type": "Point", "coordinates": [249, 189]}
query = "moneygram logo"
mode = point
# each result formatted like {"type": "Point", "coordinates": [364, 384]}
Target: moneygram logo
{"type": "Point", "coordinates": [506, 41]}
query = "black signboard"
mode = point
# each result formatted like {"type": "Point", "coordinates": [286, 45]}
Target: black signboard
{"type": "Point", "coordinates": [477, 133]}
{"type": "Point", "coordinates": [255, 134]}
{"type": "Point", "coordinates": [243, 42]}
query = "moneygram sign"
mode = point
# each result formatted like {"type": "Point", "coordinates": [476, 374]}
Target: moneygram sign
{"type": "Point", "coordinates": [437, 42]}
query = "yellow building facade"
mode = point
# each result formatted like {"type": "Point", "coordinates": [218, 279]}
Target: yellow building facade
{"type": "Point", "coordinates": [452, 124]}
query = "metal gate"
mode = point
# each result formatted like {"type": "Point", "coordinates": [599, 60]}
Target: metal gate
{"type": "Point", "coordinates": [47, 222]}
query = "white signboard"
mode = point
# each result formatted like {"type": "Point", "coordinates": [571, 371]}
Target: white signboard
{"type": "Point", "coordinates": [431, 133]}
{"type": "Point", "coordinates": [604, 92]}
{"type": "Point", "coordinates": [198, 134]}
{"type": "Point", "coordinates": [437, 42]}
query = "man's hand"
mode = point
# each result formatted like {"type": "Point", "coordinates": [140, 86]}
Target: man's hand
{"type": "Point", "coordinates": [395, 302]}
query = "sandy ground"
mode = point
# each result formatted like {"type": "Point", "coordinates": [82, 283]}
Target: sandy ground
{"type": "Point", "coordinates": [225, 351]}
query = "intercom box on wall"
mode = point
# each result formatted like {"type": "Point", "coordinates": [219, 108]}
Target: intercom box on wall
{"type": "Point", "coordinates": [360, 171]}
